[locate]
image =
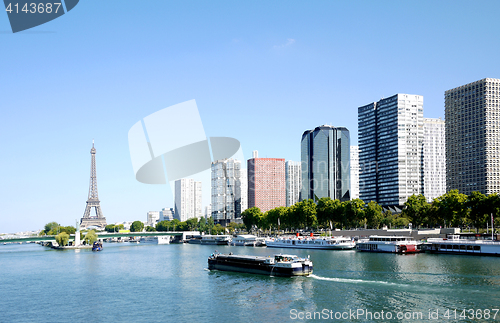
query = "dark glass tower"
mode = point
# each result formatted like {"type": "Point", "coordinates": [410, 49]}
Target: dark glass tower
{"type": "Point", "coordinates": [325, 155]}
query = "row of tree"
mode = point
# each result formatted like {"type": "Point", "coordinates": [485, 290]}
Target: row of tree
{"type": "Point", "coordinates": [451, 209]}
{"type": "Point", "coordinates": [202, 225]}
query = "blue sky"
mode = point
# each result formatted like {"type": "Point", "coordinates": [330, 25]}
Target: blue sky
{"type": "Point", "coordinates": [260, 71]}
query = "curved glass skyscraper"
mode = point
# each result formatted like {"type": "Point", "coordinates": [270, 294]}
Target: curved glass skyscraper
{"type": "Point", "coordinates": [325, 154]}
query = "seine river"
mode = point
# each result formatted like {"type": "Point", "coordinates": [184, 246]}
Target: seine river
{"type": "Point", "coordinates": [170, 283]}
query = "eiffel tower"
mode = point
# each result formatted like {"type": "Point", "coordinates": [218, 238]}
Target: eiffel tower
{"type": "Point", "coordinates": [93, 201]}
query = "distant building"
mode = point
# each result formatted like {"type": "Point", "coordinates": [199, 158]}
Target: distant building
{"type": "Point", "coordinates": [354, 172]}
{"type": "Point", "coordinates": [266, 182]}
{"type": "Point", "coordinates": [153, 217]}
{"type": "Point", "coordinates": [390, 139]}
{"type": "Point", "coordinates": [229, 193]}
{"type": "Point", "coordinates": [187, 199]}
{"type": "Point", "coordinates": [472, 114]}
{"type": "Point", "coordinates": [434, 158]}
{"type": "Point", "coordinates": [208, 211]}
{"type": "Point", "coordinates": [197, 199]}
{"type": "Point", "coordinates": [167, 214]}
{"type": "Point", "coordinates": [325, 163]}
{"type": "Point", "coordinates": [293, 182]}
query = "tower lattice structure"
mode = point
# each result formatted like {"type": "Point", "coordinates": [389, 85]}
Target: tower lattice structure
{"type": "Point", "coordinates": [93, 200]}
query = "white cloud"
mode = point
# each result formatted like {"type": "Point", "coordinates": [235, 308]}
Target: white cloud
{"type": "Point", "coordinates": [289, 42]}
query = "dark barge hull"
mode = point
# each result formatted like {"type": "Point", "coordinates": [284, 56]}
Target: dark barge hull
{"type": "Point", "coordinates": [255, 265]}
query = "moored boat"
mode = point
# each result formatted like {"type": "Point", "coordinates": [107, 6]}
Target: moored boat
{"type": "Point", "coordinates": [392, 244]}
{"type": "Point", "coordinates": [215, 239]}
{"type": "Point", "coordinates": [454, 244]}
{"type": "Point", "coordinates": [248, 240]}
{"type": "Point", "coordinates": [97, 246]}
{"type": "Point", "coordinates": [195, 240]}
{"type": "Point", "coordinates": [155, 240]}
{"type": "Point", "coordinates": [333, 243]}
{"type": "Point", "coordinates": [278, 265]}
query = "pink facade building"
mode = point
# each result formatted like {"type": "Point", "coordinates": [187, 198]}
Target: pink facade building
{"type": "Point", "coordinates": [266, 183]}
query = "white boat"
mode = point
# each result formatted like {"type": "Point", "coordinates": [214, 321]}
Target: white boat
{"type": "Point", "coordinates": [215, 239]}
{"type": "Point", "coordinates": [155, 240]}
{"type": "Point", "coordinates": [454, 244]}
{"type": "Point", "coordinates": [248, 240]}
{"type": "Point", "coordinates": [333, 243]}
{"type": "Point", "coordinates": [393, 244]}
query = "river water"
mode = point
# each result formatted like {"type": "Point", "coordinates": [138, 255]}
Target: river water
{"type": "Point", "coordinates": [170, 283]}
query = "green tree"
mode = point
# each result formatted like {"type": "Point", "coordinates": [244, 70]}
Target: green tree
{"type": "Point", "coordinates": [435, 217]}
{"type": "Point", "coordinates": [202, 224]}
{"type": "Point", "coordinates": [210, 224]}
{"type": "Point", "coordinates": [292, 218]}
{"type": "Point", "coordinates": [110, 228]}
{"type": "Point", "coordinates": [387, 219]}
{"type": "Point", "coordinates": [136, 226]}
{"type": "Point", "coordinates": [218, 229]}
{"type": "Point", "coordinates": [323, 210]}
{"type": "Point", "coordinates": [275, 216]}
{"type": "Point", "coordinates": [69, 229]}
{"type": "Point", "coordinates": [353, 213]}
{"type": "Point", "coordinates": [50, 227]}
{"type": "Point", "coordinates": [452, 208]}
{"type": "Point", "coordinates": [192, 224]}
{"type": "Point", "coordinates": [493, 202]}
{"type": "Point", "coordinates": [62, 238]}
{"type": "Point", "coordinates": [150, 229]}
{"type": "Point", "coordinates": [373, 215]}
{"type": "Point", "coordinates": [400, 221]}
{"type": "Point", "coordinates": [182, 226]}
{"type": "Point", "coordinates": [416, 209]}
{"type": "Point", "coordinates": [306, 213]}
{"type": "Point", "coordinates": [232, 227]}
{"type": "Point", "coordinates": [251, 217]}
{"type": "Point", "coordinates": [163, 226]}
{"type": "Point", "coordinates": [90, 237]}
{"type": "Point", "coordinates": [477, 203]}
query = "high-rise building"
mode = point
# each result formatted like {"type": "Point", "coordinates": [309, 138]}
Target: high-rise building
{"type": "Point", "coordinates": [187, 199]}
{"type": "Point", "coordinates": [167, 214]}
{"type": "Point", "coordinates": [153, 217]}
{"type": "Point", "coordinates": [354, 172]}
{"type": "Point", "coordinates": [266, 182]}
{"type": "Point", "coordinates": [325, 163]}
{"type": "Point", "coordinates": [434, 159]}
{"type": "Point", "coordinates": [293, 182]}
{"type": "Point", "coordinates": [228, 191]}
{"type": "Point", "coordinates": [390, 139]}
{"type": "Point", "coordinates": [208, 211]}
{"type": "Point", "coordinates": [198, 209]}
{"type": "Point", "coordinates": [472, 113]}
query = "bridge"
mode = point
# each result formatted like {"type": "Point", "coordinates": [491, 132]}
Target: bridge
{"type": "Point", "coordinates": [100, 235]}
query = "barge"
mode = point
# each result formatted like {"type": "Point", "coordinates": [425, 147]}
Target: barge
{"type": "Point", "coordinates": [332, 243]}
{"type": "Point", "coordinates": [155, 240]}
{"type": "Point", "coordinates": [393, 244]}
{"type": "Point", "coordinates": [215, 239]}
{"type": "Point", "coordinates": [455, 244]}
{"type": "Point", "coordinates": [277, 265]}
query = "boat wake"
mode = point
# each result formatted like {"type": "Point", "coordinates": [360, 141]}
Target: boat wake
{"type": "Point", "coordinates": [357, 281]}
